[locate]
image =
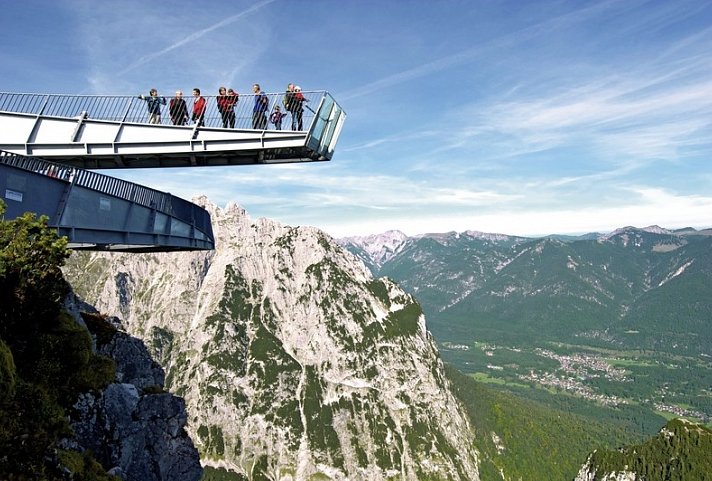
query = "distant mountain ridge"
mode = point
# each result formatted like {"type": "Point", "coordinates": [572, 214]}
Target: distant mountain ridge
{"type": "Point", "coordinates": [380, 248]}
{"type": "Point", "coordinates": [634, 284]}
{"type": "Point", "coordinates": [377, 249]}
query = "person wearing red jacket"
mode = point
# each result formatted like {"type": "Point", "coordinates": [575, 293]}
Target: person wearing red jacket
{"type": "Point", "coordinates": [226, 106]}
{"type": "Point", "coordinates": [198, 108]}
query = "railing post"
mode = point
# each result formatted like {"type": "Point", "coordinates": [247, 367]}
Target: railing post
{"type": "Point", "coordinates": [128, 109]}
{"type": "Point", "coordinates": [43, 105]}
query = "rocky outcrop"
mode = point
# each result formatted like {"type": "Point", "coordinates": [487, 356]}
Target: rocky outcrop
{"type": "Point", "coordinates": [295, 363]}
{"type": "Point", "coordinates": [588, 473]}
{"type": "Point", "coordinates": [681, 450]}
{"type": "Point", "coordinates": [133, 427]}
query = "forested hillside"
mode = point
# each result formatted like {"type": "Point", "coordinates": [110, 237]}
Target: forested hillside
{"type": "Point", "coordinates": [545, 439]}
{"type": "Point", "coordinates": [682, 451]}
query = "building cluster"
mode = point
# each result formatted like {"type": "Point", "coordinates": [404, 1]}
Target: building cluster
{"type": "Point", "coordinates": [573, 386]}
{"type": "Point", "coordinates": [682, 412]}
{"type": "Point", "coordinates": [580, 364]}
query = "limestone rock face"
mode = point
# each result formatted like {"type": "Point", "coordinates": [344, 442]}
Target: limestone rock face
{"type": "Point", "coordinates": [295, 363]}
{"type": "Point", "coordinates": [133, 427]}
{"type": "Point", "coordinates": [588, 473]}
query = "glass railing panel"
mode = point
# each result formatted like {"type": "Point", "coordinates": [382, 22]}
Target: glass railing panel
{"type": "Point", "coordinates": [331, 128]}
{"type": "Point", "coordinates": [320, 122]}
{"type": "Point", "coordinates": [338, 124]}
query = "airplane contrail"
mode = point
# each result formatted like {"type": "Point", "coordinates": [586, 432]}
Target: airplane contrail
{"type": "Point", "coordinates": [195, 35]}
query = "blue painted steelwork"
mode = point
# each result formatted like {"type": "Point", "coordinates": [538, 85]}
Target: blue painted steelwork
{"type": "Point", "coordinates": [98, 212]}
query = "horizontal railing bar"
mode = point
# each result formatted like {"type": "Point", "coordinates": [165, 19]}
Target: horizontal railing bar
{"type": "Point", "coordinates": [132, 109]}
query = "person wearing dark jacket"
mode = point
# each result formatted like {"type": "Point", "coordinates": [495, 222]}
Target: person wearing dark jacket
{"type": "Point", "coordinates": [259, 111]}
{"type": "Point", "coordinates": [153, 104]}
{"type": "Point", "coordinates": [292, 106]}
{"type": "Point", "coordinates": [178, 110]}
{"type": "Point", "coordinates": [226, 101]}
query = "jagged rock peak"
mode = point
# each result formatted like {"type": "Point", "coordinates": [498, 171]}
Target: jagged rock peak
{"type": "Point", "coordinates": [628, 230]}
{"type": "Point", "coordinates": [295, 363]}
{"type": "Point", "coordinates": [379, 248]}
{"type": "Point", "coordinates": [374, 242]}
{"type": "Point", "coordinates": [487, 236]}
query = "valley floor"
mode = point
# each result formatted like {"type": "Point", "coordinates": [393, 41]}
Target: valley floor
{"type": "Point", "coordinates": [667, 385]}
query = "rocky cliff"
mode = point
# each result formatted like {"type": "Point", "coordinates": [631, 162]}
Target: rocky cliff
{"type": "Point", "coordinates": [133, 427]}
{"type": "Point", "coordinates": [295, 363]}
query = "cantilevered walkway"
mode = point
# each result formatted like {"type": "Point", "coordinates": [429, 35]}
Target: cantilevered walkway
{"type": "Point", "coordinates": [104, 132]}
{"type": "Point", "coordinates": [98, 212]}
{"type": "Point", "coordinates": [46, 141]}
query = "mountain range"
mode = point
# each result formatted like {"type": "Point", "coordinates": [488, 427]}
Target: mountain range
{"type": "Point", "coordinates": [639, 288]}
{"type": "Point", "coordinates": [299, 360]}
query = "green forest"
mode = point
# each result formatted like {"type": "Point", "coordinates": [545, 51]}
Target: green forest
{"type": "Point", "coordinates": [682, 451]}
{"type": "Point", "coordinates": [549, 438]}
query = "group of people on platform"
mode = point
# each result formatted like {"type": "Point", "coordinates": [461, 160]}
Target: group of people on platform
{"type": "Point", "coordinates": [226, 99]}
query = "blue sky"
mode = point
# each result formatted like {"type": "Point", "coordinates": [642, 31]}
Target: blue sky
{"type": "Point", "coordinates": [519, 117]}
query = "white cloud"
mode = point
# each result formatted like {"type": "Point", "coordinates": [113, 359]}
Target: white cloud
{"type": "Point", "coordinates": [650, 206]}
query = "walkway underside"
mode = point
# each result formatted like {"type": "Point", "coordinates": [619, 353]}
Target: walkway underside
{"type": "Point", "coordinates": [98, 212]}
{"type": "Point", "coordinates": [107, 145]}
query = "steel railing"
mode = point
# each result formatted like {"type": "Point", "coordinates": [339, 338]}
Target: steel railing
{"type": "Point", "coordinates": [141, 195]}
{"type": "Point", "coordinates": [131, 108]}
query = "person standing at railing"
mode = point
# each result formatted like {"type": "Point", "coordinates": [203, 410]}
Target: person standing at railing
{"type": "Point", "coordinates": [233, 98]}
{"type": "Point", "coordinates": [290, 104]}
{"type": "Point", "coordinates": [276, 117]}
{"type": "Point", "coordinates": [198, 108]}
{"type": "Point", "coordinates": [299, 100]}
{"type": "Point", "coordinates": [153, 104]}
{"type": "Point", "coordinates": [226, 106]}
{"type": "Point", "coordinates": [259, 111]}
{"type": "Point", "coordinates": [178, 110]}
{"type": "Point", "coordinates": [293, 101]}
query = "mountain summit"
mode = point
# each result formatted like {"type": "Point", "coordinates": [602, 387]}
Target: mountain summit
{"type": "Point", "coordinates": [295, 363]}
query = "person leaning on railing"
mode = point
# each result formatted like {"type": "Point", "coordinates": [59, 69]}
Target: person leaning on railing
{"type": "Point", "coordinates": [153, 104]}
{"type": "Point", "coordinates": [293, 101]}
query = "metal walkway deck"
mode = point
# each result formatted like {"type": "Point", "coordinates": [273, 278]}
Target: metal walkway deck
{"type": "Point", "coordinates": [104, 132]}
{"type": "Point", "coordinates": [98, 212]}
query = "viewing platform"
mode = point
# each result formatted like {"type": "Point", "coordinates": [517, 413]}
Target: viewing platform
{"type": "Point", "coordinates": [98, 212]}
{"type": "Point", "coordinates": [107, 132]}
